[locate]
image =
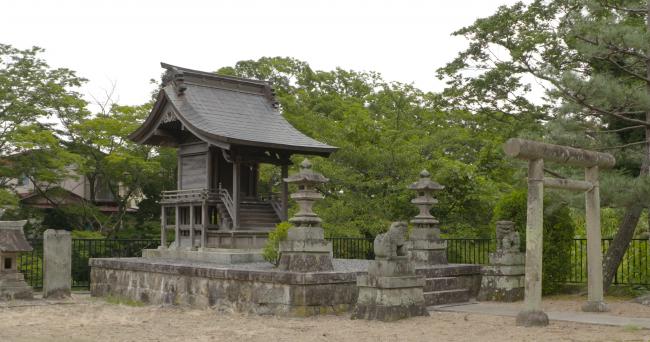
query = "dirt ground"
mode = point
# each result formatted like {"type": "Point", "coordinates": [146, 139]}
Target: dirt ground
{"type": "Point", "coordinates": [89, 319]}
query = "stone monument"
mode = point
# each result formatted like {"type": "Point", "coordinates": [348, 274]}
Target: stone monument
{"type": "Point", "coordinates": [305, 249]}
{"type": "Point", "coordinates": [503, 278]}
{"type": "Point", "coordinates": [391, 290]}
{"type": "Point", "coordinates": [57, 264]}
{"type": "Point", "coordinates": [13, 242]}
{"type": "Point", "coordinates": [426, 246]}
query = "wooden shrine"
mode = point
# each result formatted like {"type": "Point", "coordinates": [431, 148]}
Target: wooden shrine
{"type": "Point", "coordinates": [223, 128]}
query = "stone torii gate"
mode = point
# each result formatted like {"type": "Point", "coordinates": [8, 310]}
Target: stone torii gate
{"type": "Point", "coordinates": [536, 153]}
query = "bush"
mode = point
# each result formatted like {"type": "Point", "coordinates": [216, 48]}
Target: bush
{"type": "Point", "coordinates": [271, 250]}
{"type": "Point", "coordinates": [559, 231]}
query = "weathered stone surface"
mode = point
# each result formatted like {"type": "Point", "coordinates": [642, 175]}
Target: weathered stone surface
{"type": "Point", "coordinates": [391, 290]}
{"type": "Point", "coordinates": [57, 264]}
{"type": "Point", "coordinates": [215, 255]}
{"type": "Point", "coordinates": [532, 318]}
{"type": "Point", "coordinates": [425, 244]}
{"type": "Point", "coordinates": [305, 249]}
{"type": "Point", "coordinates": [204, 285]}
{"type": "Point", "coordinates": [12, 242]}
{"type": "Point", "coordinates": [503, 280]}
{"type": "Point", "coordinates": [595, 306]}
{"type": "Point", "coordinates": [13, 286]}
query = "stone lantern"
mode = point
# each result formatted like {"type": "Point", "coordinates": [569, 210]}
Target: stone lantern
{"type": "Point", "coordinates": [426, 246]}
{"type": "Point", "coordinates": [305, 249]}
{"type": "Point", "coordinates": [12, 243]}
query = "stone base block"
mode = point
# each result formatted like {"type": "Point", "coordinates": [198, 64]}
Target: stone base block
{"type": "Point", "coordinates": [389, 304]}
{"type": "Point", "coordinates": [392, 268]}
{"type": "Point", "coordinates": [502, 283]}
{"type": "Point", "coordinates": [424, 257]}
{"type": "Point", "coordinates": [532, 318]}
{"type": "Point", "coordinates": [305, 262]}
{"type": "Point", "coordinates": [305, 255]}
{"type": "Point", "coordinates": [249, 288]}
{"type": "Point", "coordinates": [507, 258]}
{"type": "Point", "coordinates": [595, 306]}
{"type": "Point", "coordinates": [223, 256]}
{"type": "Point", "coordinates": [242, 239]}
{"type": "Point", "coordinates": [13, 286]}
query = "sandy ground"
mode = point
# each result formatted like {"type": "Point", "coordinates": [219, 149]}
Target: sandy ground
{"type": "Point", "coordinates": [89, 319]}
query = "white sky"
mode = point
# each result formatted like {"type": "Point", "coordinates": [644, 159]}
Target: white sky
{"type": "Point", "coordinates": [124, 41]}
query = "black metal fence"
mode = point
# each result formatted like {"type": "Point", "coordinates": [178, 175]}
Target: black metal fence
{"type": "Point", "coordinates": [353, 248]}
{"type": "Point", "coordinates": [634, 270]}
{"type": "Point", "coordinates": [31, 263]}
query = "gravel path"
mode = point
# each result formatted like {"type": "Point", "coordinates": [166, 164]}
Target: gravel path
{"type": "Point", "coordinates": [89, 319]}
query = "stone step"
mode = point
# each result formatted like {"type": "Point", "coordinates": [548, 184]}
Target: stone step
{"type": "Point", "coordinates": [446, 297]}
{"type": "Point", "coordinates": [450, 270]}
{"type": "Point", "coordinates": [443, 283]}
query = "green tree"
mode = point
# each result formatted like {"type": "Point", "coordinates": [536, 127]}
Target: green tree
{"type": "Point", "coordinates": [593, 59]}
{"type": "Point", "coordinates": [387, 133]}
{"type": "Point", "coordinates": [32, 95]}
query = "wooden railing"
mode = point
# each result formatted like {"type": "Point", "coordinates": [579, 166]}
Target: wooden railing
{"type": "Point", "coordinates": [224, 195]}
{"type": "Point", "coordinates": [187, 195]}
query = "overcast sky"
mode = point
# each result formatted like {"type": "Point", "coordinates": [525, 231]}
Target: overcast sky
{"type": "Point", "coordinates": [124, 41]}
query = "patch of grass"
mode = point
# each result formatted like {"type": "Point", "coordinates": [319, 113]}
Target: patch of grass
{"type": "Point", "coordinates": [632, 327]}
{"type": "Point", "coordinates": [123, 301]}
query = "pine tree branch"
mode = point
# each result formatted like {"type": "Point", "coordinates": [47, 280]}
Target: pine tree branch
{"type": "Point", "coordinates": [625, 9]}
{"type": "Point", "coordinates": [621, 146]}
{"type": "Point", "coordinates": [623, 68]}
{"type": "Point", "coordinates": [618, 130]}
{"type": "Point", "coordinates": [614, 48]}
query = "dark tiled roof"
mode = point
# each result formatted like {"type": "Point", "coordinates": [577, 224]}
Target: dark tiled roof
{"type": "Point", "coordinates": [12, 238]}
{"type": "Point", "coordinates": [233, 111]}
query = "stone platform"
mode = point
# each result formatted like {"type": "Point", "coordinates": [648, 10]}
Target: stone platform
{"type": "Point", "coordinates": [212, 255]}
{"type": "Point", "coordinates": [259, 287]}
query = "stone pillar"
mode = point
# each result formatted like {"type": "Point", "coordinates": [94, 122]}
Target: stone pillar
{"type": "Point", "coordinates": [503, 279]}
{"type": "Point", "coordinates": [163, 229]}
{"type": "Point", "coordinates": [305, 249]}
{"type": "Point", "coordinates": [426, 246]}
{"type": "Point", "coordinates": [532, 315]}
{"type": "Point", "coordinates": [391, 290]}
{"type": "Point", "coordinates": [57, 264]}
{"type": "Point", "coordinates": [595, 302]}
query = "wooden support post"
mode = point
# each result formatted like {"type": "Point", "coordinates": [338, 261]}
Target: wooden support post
{"type": "Point", "coordinates": [595, 301]}
{"type": "Point", "coordinates": [284, 192]}
{"type": "Point", "coordinates": [236, 189]}
{"type": "Point", "coordinates": [532, 315]}
{"type": "Point", "coordinates": [177, 228]}
{"type": "Point", "coordinates": [204, 224]}
{"type": "Point", "coordinates": [191, 226]}
{"type": "Point", "coordinates": [163, 227]}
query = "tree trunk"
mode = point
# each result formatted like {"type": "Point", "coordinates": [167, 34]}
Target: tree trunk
{"type": "Point", "coordinates": [625, 233]}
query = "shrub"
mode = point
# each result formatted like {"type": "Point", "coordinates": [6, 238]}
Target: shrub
{"type": "Point", "coordinates": [559, 231]}
{"type": "Point", "coordinates": [271, 249]}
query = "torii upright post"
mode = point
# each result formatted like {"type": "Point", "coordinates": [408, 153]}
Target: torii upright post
{"type": "Point", "coordinates": [536, 153]}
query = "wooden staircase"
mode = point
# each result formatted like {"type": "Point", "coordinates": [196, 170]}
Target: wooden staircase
{"type": "Point", "coordinates": [255, 215]}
